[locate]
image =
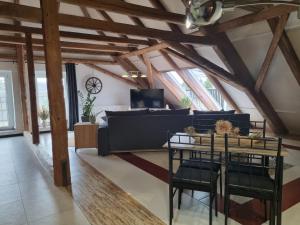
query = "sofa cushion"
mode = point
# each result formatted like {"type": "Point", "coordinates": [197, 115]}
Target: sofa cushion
{"type": "Point", "coordinates": [127, 113]}
{"type": "Point", "coordinates": [170, 112]}
{"type": "Point", "coordinates": [197, 112]}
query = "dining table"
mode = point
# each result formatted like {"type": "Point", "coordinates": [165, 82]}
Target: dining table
{"type": "Point", "coordinates": [267, 146]}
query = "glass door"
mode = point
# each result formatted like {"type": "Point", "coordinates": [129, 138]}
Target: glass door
{"type": "Point", "coordinates": [7, 115]}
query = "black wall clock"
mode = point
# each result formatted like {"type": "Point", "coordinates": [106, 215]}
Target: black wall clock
{"type": "Point", "coordinates": [93, 85]}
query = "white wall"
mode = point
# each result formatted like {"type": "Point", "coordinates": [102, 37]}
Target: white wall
{"type": "Point", "coordinates": [115, 94]}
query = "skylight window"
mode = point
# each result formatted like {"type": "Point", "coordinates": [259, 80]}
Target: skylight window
{"type": "Point", "coordinates": [201, 77]}
{"type": "Point", "coordinates": [173, 75]}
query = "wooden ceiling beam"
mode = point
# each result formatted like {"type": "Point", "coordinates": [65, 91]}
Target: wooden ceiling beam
{"type": "Point", "coordinates": [146, 50]}
{"type": "Point", "coordinates": [101, 33]}
{"type": "Point", "coordinates": [94, 47]}
{"type": "Point", "coordinates": [241, 71]}
{"type": "Point", "coordinates": [130, 9]}
{"type": "Point", "coordinates": [287, 50]}
{"type": "Point", "coordinates": [264, 14]}
{"type": "Point", "coordinates": [271, 52]}
{"type": "Point", "coordinates": [66, 44]}
{"type": "Point", "coordinates": [83, 52]}
{"type": "Point", "coordinates": [12, 57]}
{"type": "Point", "coordinates": [74, 35]}
{"type": "Point", "coordinates": [32, 14]}
{"type": "Point", "coordinates": [76, 60]}
{"type": "Point", "coordinates": [111, 74]}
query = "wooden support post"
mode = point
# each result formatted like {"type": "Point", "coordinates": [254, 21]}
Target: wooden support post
{"type": "Point", "coordinates": [149, 70]}
{"type": "Point", "coordinates": [271, 52]}
{"type": "Point", "coordinates": [55, 93]}
{"type": "Point", "coordinates": [21, 65]}
{"type": "Point", "coordinates": [32, 91]}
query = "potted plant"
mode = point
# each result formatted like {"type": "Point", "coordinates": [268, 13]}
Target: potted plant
{"type": "Point", "coordinates": [87, 104]}
{"type": "Point", "coordinates": [93, 117]}
{"type": "Point", "coordinates": [185, 102]}
{"type": "Point", "coordinates": [44, 115]}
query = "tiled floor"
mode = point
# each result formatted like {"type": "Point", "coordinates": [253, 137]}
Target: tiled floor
{"type": "Point", "coordinates": [27, 193]}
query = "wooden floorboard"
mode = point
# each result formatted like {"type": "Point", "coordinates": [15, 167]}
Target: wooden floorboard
{"type": "Point", "coordinates": [102, 202]}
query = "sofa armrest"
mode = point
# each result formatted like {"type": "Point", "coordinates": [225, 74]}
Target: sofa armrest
{"type": "Point", "coordinates": [103, 141]}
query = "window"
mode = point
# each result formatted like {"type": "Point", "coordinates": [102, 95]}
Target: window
{"type": "Point", "coordinates": [7, 115]}
{"type": "Point", "coordinates": [42, 94]}
{"type": "Point", "coordinates": [185, 89]}
{"type": "Point", "coordinates": [202, 79]}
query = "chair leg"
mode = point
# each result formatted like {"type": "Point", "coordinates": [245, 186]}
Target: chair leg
{"type": "Point", "coordinates": [278, 212]}
{"type": "Point", "coordinates": [179, 197]}
{"type": "Point", "coordinates": [272, 213]}
{"type": "Point", "coordinates": [170, 204]}
{"type": "Point", "coordinates": [221, 184]}
{"type": "Point", "coordinates": [210, 207]}
{"type": "Point", "coordinates": [226, 206]}
{"type": "Point", "coordinates": [216, 202]}
{"type": "Point", "coordinates": [192, 193]}
{"type": "Point", "coordinates": [266, 209]}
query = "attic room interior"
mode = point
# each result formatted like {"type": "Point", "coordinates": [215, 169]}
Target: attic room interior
{"type": "Point", "coordinates": [127, 112]}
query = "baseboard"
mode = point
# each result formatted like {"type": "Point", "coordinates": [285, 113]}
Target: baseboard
{"type": "Point", "coordinates": [11, 135]}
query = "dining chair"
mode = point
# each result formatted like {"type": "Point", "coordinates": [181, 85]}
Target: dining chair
{"type": "Point", "coordinates": [252, 179]}
{"type": "Point", "coordinates": [191, 178]}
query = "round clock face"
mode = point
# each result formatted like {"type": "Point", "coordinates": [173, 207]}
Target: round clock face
{"type": "Point", "coordinates": [93, 85]}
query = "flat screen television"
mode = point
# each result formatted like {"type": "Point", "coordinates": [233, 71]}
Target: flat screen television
{"type": "Point", "coordinates": [147, 98]}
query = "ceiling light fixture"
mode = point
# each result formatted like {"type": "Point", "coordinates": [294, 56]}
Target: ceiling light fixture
{"type": "Point", "coordinates": [134, 74]}
{"type": "Point", "coordinates": [203, 12]}
{"type": "Point", "coordinates": [207, 12]}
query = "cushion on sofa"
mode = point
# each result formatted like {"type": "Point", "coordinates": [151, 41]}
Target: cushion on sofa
{"type": "Point", "coordinates": [127, 113]}
{"type": "Point", "coordinates": [197, 112]}
{"type": "Point", "coordinates": [170, 112]}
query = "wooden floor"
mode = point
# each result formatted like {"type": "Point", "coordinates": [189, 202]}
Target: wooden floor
{"type": "Point", "coordinates": [102, 202]}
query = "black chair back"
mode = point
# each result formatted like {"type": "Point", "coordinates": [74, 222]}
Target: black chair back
{"type": "Point", "coordinates": [179, 144]}
{"type": "Point", "coordinates": [252, 162]}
